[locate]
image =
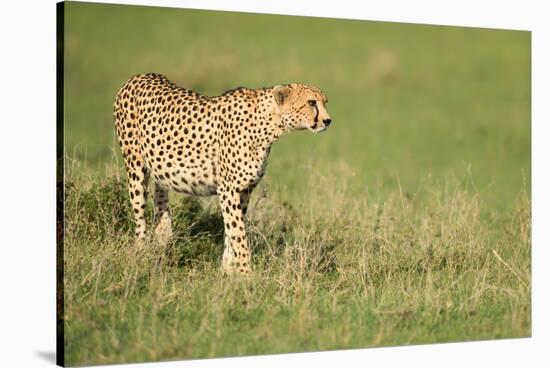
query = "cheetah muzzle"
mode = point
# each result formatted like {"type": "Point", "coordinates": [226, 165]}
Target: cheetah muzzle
{"type": "Point", "coordinates": [200, 145]}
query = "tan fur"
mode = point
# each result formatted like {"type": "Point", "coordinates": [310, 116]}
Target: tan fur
{"type": "Point", "coordinates": [201, 145]}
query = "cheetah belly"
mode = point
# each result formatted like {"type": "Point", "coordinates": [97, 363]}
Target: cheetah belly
{"type": "Point", "coordinates": [195, 181]}
{"type": "Point", "coordinates": [192, 180]}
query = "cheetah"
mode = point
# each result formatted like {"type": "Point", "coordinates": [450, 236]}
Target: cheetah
{"type": "Point", "coordinates": [201, 146]}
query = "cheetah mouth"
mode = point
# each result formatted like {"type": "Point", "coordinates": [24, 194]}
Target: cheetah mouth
{"type": "Point", "coordinates": [317, 129]}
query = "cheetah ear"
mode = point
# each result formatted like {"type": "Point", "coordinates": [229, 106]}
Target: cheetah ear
{"type": "Point", "coordinates": [281, 93]}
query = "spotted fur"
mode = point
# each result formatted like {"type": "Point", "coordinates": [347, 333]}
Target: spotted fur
{"type": "Point", "coordinates": [200, 145]}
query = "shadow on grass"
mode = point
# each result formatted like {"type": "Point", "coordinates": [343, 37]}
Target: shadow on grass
{"type": "Point", "coordinates": [198, 233]}
{"type": "Point", "coordinates": [48, 356]}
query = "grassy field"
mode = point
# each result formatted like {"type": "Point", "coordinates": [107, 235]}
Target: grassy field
{"type": "Point", "coordinates": [407, 222]}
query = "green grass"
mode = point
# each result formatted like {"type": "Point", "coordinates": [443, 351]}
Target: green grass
{"type": "Point", "coordinates": [407, 222]}
{"type": "Point", "coordinates": [343, 272]}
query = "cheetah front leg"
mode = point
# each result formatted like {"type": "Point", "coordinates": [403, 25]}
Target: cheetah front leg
{"type": "Point", "coordinates": [236, 254]}
{"type": "Point", "coordinates": [163, 221]}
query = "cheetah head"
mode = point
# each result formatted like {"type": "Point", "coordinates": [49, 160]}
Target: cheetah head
{"type": "Point", "coordinates": [302, 107]}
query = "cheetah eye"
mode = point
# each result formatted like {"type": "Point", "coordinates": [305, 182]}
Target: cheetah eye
{"type": "Point", "coordinates": [312, 102]}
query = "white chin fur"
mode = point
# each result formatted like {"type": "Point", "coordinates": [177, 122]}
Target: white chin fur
{"type": "Point", "coordinates": [318, 130]}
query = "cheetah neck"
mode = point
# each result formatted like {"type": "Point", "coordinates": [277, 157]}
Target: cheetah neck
{"type": "Point", "coordinates": [258, 124]}
{"type": "Point", "coordinates": [275, 126]}
{"type": "Point", "coordinates": [265, 129]}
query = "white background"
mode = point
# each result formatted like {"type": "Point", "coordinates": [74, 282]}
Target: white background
{"type": "Point", "coordinates": [27, 154]}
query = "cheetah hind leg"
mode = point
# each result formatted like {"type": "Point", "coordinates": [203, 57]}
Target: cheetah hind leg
{"type": "Point", "coordinates": [137, 188]}
{"type": "Point", "coordinates": [163, 221]}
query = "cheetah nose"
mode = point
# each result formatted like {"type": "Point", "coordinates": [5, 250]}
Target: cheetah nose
{"type": "Point", "coordinates": [327, 122]}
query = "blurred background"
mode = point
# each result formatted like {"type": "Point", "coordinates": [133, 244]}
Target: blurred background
{"type": "Point", "coordinates": [412, 105]}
